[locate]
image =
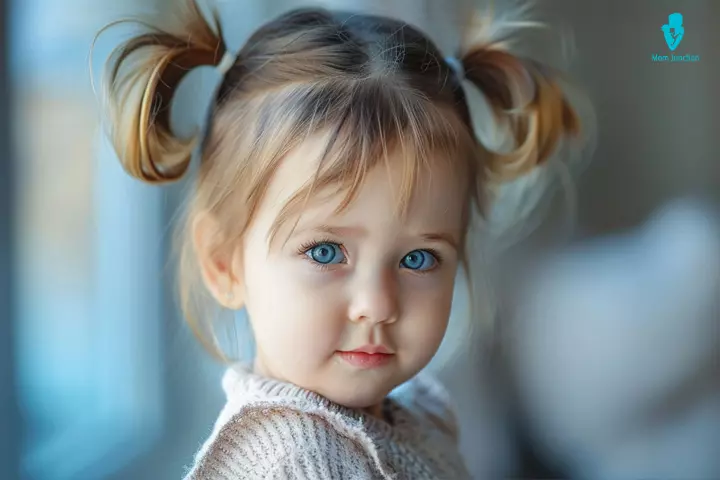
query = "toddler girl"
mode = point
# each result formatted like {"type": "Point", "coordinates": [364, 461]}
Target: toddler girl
{"type": "Point", "coordinates": [338, 177]}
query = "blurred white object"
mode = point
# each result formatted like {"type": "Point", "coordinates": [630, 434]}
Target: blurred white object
{"type": "Point", "coordinates": [616, 351]}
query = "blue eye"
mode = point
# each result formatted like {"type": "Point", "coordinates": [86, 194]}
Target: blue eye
{"type": "Point", "coordinates": [419, 260]}
{"type": "Point", "coordinates": [326, 253]}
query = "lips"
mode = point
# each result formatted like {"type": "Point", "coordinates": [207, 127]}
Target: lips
{"type": "Point", "coordinates": [366, 360]}
{"type": "Point", "coordinates": [371, 349]}
{"type": "Point", "coordinates": [368, 356]}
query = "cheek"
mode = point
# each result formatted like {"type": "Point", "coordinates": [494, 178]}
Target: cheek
{"type": "Point", "coordinates": [295, 316]}
{"type": "Point", "coordinates": [426, 312]}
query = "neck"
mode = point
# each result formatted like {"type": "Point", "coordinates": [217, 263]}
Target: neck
{"type": "Point", "coordinates": [375, 411]}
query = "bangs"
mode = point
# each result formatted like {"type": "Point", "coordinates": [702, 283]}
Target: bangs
{"type": "Point", "coordinates": [369, 124]}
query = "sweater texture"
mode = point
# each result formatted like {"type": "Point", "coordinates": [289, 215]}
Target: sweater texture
{"type": "Point", "coordinates": [275, 430]}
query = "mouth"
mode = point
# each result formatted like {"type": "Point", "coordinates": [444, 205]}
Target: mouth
{"type": "Point", "coordinates": [368, 356]}
{"type": "Point", "coordinates": [371, 349]}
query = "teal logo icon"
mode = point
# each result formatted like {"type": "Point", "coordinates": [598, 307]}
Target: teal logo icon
{"type": "Point", "coordinates": [673, 30]}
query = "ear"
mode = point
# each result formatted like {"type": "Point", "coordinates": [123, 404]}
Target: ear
{"type": "Point", "coordinates": [220, 263]}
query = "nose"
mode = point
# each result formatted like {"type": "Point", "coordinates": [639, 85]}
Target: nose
{"type": "Point", "coordinates": [374, 298]}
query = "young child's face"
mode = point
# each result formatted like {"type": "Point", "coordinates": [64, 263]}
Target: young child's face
{"type": "Point", "coordinates": [361, 277]}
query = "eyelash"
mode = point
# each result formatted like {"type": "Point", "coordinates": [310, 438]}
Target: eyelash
{"type": "Point", "coordinates": [436, 254]}
{"type": "Point", "coordinates": [302, 251]}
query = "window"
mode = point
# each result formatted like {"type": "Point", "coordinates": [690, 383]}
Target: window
{"type": "Point", "coordinates": [88, 260]}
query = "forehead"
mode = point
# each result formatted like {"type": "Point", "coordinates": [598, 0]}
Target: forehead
{"type": "Point", "coordinates": [438, 192]}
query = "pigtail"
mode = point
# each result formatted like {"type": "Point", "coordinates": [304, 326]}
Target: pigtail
{"type": "Point", "coordinates": [141, 78]}
{"type": "Point", "coordinates": [523, 95]}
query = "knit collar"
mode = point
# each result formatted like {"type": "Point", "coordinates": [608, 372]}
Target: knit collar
{"type": "Point", "coordinates": [241, 382]}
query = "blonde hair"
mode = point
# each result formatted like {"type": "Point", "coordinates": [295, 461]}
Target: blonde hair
{"type": "Point", "coordinates": [374, 84]}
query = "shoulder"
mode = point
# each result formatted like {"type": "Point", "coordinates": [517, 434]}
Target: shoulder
{"type": "Point", "coordinates": [279, 441]}
{"type": "Point", "coordinates": [425, 396]}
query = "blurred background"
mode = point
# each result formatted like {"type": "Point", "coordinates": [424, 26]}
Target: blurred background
{"type": "Point", "coordinates": [99, 378]}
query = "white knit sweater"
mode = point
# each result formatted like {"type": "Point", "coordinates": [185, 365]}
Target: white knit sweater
{"type": "Point", "coordinates": [275, 430]}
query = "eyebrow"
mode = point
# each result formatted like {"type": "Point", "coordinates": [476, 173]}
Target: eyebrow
{"type": "Point", "coordinates": [341, 231]}
{"type": "Point", "coordinates": [442, 237]}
